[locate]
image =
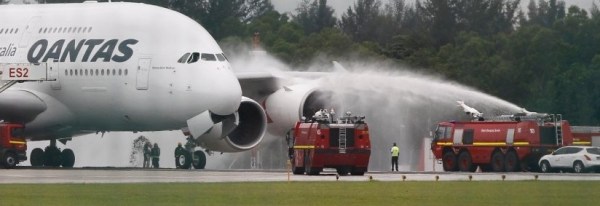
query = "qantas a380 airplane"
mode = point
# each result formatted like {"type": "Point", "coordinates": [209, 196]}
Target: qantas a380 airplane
{"type": "Point", "coordinates": [135, 67]}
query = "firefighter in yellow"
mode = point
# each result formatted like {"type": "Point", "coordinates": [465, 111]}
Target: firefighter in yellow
{"type": "Point", "coordinates": [395, 152]}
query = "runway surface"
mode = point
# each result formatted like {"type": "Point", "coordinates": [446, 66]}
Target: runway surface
{"type": "Point", "coordinates": [137, 175]}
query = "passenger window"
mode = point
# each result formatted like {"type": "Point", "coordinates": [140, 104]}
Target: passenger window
{"type": "Point", "coordinates": [220, 57]}
{"type": "Point", "coordinates": [183, 58]}
{"type": "Point", "coordinates": [194, 58]}
{"type": "Point", "coordinates": [208, 57]}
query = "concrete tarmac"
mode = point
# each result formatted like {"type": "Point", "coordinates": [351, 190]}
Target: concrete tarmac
{"type": "Point", "coordinates": [28, 175]}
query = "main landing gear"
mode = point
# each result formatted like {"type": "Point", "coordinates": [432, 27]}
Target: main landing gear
{"type": "Point", "coordinates": [52, 156]}
{"type": "Point", "coordinates": [197, 159]}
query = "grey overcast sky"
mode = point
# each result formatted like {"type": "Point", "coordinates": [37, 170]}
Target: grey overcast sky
{"type": "Point", "coordinates": [340, 6]}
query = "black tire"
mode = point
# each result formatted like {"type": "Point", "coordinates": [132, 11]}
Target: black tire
{"type": "Point", "coordinates": [296, 169]}
{"type": "Point", "coordinates": [578, 167]}
{"type": "Point", "coordinates": [313, 171]}
{"type": "Point", "coordinates": [545, 167]}
{"type": "Point", "coordinates": [497, 162]}
{"type": "Point", "coordinates": [184, 160]}
{"type": "Point", "coordinates": [199, 160]}
{"type": "Point", "coordinates": [465, 163]}
{"type": "Point", "coordinates": [67, 158]}
{"type": "Point", "coordinates": [449, 162]}
{"type": "Point", "coordinates": [52, 157]}
{"type": "Point", "coordinates": [358, 171]}
{"type": "Point", "coordinates": [511, 161]}
{"type": "Point", "coordinates": [342, 171]}
{"type": "Point", "coordinates": [9, 160]}
{"type": "Point", "coordinates": [37, 157]}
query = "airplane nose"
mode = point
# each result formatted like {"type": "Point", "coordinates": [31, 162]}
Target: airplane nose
{"type": "Point", "coordinates": [227, 93]}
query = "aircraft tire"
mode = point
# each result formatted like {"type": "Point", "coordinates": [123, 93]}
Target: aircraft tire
{"type": "Point", "coordinates": [52, 157]}
{"type": "Point", "coordinates": [185, 160]}
{"type": "Point", "coordinates": [67, 158]}
{"type": "Point", "coordinates": [37, 157]}
{"type": "Point", "coordinates": [199, 161]}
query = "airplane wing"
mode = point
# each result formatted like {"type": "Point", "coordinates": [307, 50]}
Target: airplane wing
{"type": "Point", "coordinates": [256, 85]}
{"type": "Point", "coordinates": [20, 106]}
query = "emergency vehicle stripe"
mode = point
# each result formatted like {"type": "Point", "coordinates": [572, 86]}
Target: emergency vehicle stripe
{"type": "Point", "coordinates": [582, 143]}
{"type": "Point", "coordinates": [498, 143]}
{"type": "Point", "coordinates": [444, 143]}
{"type": "Point", "coordinates": [304, 147]}
{"type": "Point", "coordinates": [17, 142]}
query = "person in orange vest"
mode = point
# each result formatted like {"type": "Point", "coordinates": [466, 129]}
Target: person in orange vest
{"type": "Point", "coordinates": [395, 152]}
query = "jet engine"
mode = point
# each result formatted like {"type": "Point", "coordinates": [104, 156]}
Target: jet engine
{"type": "Point", "coordinates": [240, 131]}
{"type": "Point", "coordinates": [288, 105]}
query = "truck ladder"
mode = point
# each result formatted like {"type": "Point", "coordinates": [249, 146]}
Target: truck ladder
{"type": "Point", "coordinates": [7, 84]}
{"type": "Point", "coordinates": [342, 140]}
{"type": "Point", "coordinates": [558, 129]}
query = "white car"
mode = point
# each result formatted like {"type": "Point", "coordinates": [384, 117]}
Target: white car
{"type": "Point", "coordinates": [575, 158]}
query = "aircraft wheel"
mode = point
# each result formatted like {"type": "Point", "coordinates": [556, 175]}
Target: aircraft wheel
{"type": "Point", "coordinates": [67, 158]}
{"type": "Point", "coordinates": [52, 157]}
{"type": "Point", "coordinates": [184, 160]}
{"type": "Point", "coordinates": [497, 162]}
{"type": "Point", "coordinates": [9, 160]}
{"type": "Point", "coordinates": [199, 160]}
{"type": "Point", "coordinates": [37, 157]}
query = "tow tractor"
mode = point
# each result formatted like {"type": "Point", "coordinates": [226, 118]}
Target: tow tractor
{"type": "Point", "coordinates": [13, 145]}
{"type": "Point", "coordinates": [326, 142]}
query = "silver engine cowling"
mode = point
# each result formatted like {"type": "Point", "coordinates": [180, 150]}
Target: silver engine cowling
{"type": "Point", "coordinates": [288, 105]}
{"type": "Point", "coordinates": [236, 132]}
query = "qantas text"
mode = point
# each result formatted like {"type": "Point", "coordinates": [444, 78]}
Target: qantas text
{"type": "Point", "coordinates": [63, 51]}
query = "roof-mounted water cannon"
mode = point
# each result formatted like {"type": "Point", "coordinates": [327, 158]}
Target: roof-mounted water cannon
{"type": "Point", "coordinates": [470, 110]}
{"type": "Point", "coordinates": [324, 115]}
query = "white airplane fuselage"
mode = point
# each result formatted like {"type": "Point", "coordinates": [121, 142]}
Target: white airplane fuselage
{"type": "Point", "coordinates": [116, 67]}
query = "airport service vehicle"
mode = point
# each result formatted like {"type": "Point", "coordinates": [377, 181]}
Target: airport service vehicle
{"type": "Point", "coordinates": [322, 142]}
{"type": "Point", "coordinates": [12, 145]}
{"type": "Point", "coordinates": [504, 143]}
{"type": "Point", "coordinates": [575, 158]}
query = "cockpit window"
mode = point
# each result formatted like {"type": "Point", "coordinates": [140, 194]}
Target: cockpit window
{"type": "Point", "coordinates": [220, 57]}
{"type": "Point", "coordinates": [183, 58]}
{"type": "Point", "coordinates": [208, 57]}
{"type": "Point", "coordinates": [225, 57]}
{"type": "Point", "coordinates": [194, 58]}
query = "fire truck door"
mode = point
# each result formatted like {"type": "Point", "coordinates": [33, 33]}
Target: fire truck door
{"type": "Point", "coordinates": [458, 135]}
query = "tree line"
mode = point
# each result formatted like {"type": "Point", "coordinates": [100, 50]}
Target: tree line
{"type": "Point", "coordinates": [545, 57]}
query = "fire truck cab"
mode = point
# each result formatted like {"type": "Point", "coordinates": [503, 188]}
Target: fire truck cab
{"type": "Point", "coordinates": [13, 146]}
{"type": "Point", "coordinates": [323, 142]}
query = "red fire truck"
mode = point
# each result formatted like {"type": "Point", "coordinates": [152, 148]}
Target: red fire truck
{"type": "Point", "coordinates": [509, 143]}
{"type": "Point", "coordinates": [322, 142]}
{"type": "Point", "coordinates": [12, 145]}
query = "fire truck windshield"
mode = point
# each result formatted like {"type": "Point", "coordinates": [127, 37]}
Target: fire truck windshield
{"type": "Point", "coordinates": [16, 132]}
{"type": "Point", "coordinates": [442, 132]}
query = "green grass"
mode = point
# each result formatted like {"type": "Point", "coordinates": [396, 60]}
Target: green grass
{"type": "Point", "coordinates": [307, 193]}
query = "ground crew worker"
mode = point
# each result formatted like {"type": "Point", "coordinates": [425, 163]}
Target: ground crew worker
{"type": "Point", "coordinates": [395, 152]}
{"type": "Point", "coordinates": [147, 150]}
{"type": "Point", "coordinates": [155, 153]}
{"type": "Point", "coordinates": [179, 151]}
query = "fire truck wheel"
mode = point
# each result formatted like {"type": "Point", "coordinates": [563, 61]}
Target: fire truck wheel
{"type": "Point", "coordinates": [184, 160]}
{"type": "Point", "coordinates": [358, 171]}
{"type": "Point", "coordinates": [511, 161]}
{"type": "Point", "coordinates": [545, 167]}
{"type": "Point", "coordinates": [297, 170]}
{"type": "Point", "coordinates": [342, 171]}
{"type": "Point", "coordinates": [199, 160]}
{"type": "Point", "coordinates": [313, 171]}
{"type": "Point", "coordinates": [465, 163]}
{"type": "Point", "coordinates": [67, 158]}
{"type": "Point", "coordinates": [37, 157]}
{"type": "Point", "coordinates": [578, 167]}
{"type": "Point", "coordinates": [497, 162]}
{"type": "Point", "coordinates": [9, 160]}
{"type": "Point", "coordinates": [449, 162]}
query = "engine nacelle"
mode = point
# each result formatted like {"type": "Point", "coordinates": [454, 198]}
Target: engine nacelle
{"type": "Point", "coordinates": [237, 132]}
{"type": "Point", "coordinates": [289, 104]}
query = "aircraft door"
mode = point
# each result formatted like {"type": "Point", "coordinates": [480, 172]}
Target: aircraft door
{"type": "Point", "coordinates": [143, 72]}
{"type": "Point", "coordinates": [52, 69]}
